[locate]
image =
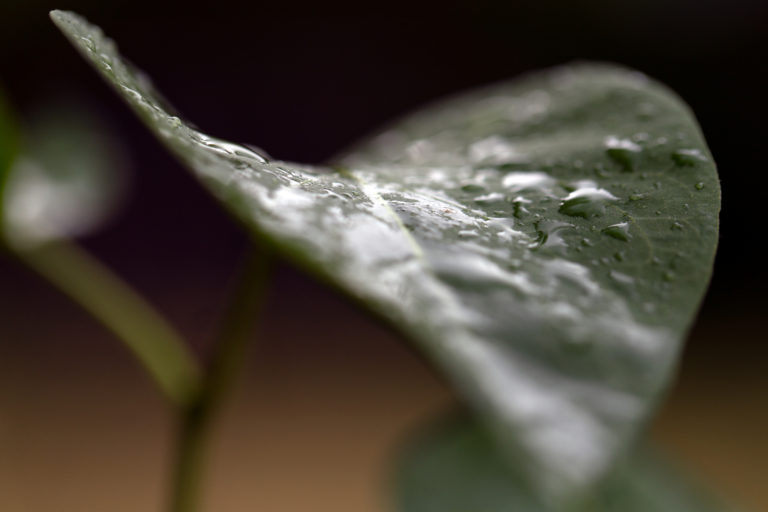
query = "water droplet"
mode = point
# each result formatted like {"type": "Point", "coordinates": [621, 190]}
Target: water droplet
{"type": "Point", "coordinates": [699, 185]}
{"type": "Point", "coordinates": [258, 151]}
{"type": "Point", "coordinates": [619, 256]}
{"type": "Point", "coordinates": [676, 226]}
{"type": "Point", "coordinates": [87, 41]}
{"type": "Point", "coordinates": [621, 278]}
{"type": "Point", "coordinates": [688, 157]}
{"type": "Point", "coordinates": [657, 212]}
{"type": "Point", "coordinates": [636, 197]}
{"type": "Point", "coordinates": [549, 235]}
{"type": "Point", "coordinates": [623, 151]}
{"type": "Point", "coordinates": [668, 276]}
{"type": "Point", "coordinates": [228, 149]}
{"type": "Point", "coordinates": [489, 199]}
{"type": "Point", "coordinates": [516, 181]}
{"type": "Point", "coordinates": [586, 201]}
{"type": "Point", "coordinates": [618, 231]}
{"type": "Point", "coordinates": [519, 210]}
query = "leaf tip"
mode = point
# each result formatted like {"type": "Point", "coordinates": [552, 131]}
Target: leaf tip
{"type": "Point", "coordinates": [66, 21]}
{"type": "Point", "coordinates": [58, 16]}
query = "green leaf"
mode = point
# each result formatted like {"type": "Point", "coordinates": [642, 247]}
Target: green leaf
{"type": "Point", "coordinates": [457, 467]}
{"type": "Point", "coordinates": [545, 242]}
{"type": "Point", "coordinates": [67, 181]}
{"type": "Point", "coordinates": [8, 145]}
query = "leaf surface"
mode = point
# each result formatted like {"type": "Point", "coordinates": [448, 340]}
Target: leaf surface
{"type": "Point", "coordinates": [545, 242]}
{"type": "Point", "coordinates": [457, 467]}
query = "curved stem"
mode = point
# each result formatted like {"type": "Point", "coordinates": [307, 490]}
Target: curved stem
{"type": "Point", "coordinates": [154, 342]}
{"type": "Point", "coordinates": [229, 355]}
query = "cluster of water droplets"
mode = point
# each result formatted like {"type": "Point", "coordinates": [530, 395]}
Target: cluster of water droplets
{"type": "Point", "coordinates": [501, 184]}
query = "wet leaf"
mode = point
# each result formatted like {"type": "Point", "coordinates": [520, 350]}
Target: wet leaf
{"type": "Point", "coordinates": [66, 182]}
{"type": "Point", "coordinates": [537, 240]}
{"type": "Point", "coordinates": [457, 467]}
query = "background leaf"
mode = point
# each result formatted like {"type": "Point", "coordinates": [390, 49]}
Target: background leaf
{"type": "Point", "coordinates": [545, 242]}
{"type": "Point", "coordinates": [68, 179]}
{"type": "Point", "coordinates": [8, 145]}
{"type": "Point", "coordinates": [457, 467]}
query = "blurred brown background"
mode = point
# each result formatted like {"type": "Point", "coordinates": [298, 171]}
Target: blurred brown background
{"type": "Point", "coordinates": [329, 394]}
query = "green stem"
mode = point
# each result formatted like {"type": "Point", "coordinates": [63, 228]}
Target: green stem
{"type": "Point", "coordinates": [229, 355]}
{"type": "Point", "coordinates": [154, 342]}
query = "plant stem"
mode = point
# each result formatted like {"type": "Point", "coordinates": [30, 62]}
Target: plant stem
{"type": "Point", "coordinates": [154, 342]}
{"type": "Point", "coordinates": [229, 355]}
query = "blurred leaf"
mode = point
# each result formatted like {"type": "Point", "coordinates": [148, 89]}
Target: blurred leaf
{"type": "Point", "coordinates": [8, 145]}
{"type": "Point", "coordinates": [545, 242]}
{"type": "Point", "coordinates": [67, 181]}
{"type": "Point", "coordinates": [457, 467]}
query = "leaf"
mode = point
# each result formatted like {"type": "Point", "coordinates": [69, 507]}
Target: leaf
{"type": "Point", "coordinates": [545, 242]}
{"type": "Point", "coordinates": [67, 181]}
{"type": "Point", "coordinates": [456, 467]}
{"type": "Point", "coordinates": [8, 144]}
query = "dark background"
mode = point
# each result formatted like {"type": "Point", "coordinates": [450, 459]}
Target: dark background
{"type": "Point", "coordinates": [304, 79]}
